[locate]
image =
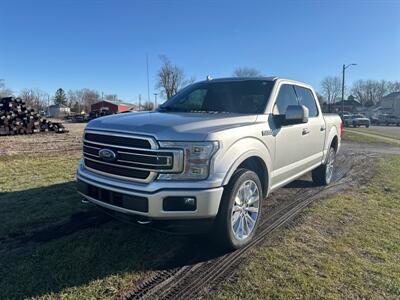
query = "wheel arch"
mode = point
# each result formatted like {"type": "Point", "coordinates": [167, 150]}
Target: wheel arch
{"type": "Point", "coordinates": [334, 143]}
{"type": "Point", "coordinates": [255, 163]}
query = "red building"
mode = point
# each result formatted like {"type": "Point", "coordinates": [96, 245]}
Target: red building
{"type": "Point", "coordinates": [110, 107]}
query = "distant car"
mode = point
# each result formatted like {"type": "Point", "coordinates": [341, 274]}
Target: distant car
{"type": "Point", "coordinates": [374, 120]}
{"type": "Point", "coordinates": [358, 120]}
{"type": "Point", "coordinates": [387, 120]}
{"type": "Point", "coordinates": [391, 120]}
{"type": "Point", "coordinates": [347, 119]}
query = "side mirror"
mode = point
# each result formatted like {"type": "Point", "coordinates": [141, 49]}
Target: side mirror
{"type": "Point", "coordinates": [296, 114]}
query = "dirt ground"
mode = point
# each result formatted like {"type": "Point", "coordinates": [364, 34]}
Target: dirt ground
{"type": "Point", "coordinates": [44, 142]}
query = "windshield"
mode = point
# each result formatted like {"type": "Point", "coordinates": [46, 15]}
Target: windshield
{"type": "Point", "coordinates": [244, 97]}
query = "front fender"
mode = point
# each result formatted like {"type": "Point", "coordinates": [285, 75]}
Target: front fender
{"type": "Point", "coordinates": [246, 147]}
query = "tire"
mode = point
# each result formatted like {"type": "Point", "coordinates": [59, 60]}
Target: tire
{"type": "Point", "coordinates": [324, 173]}
{"type": "Point", "coordinates": [227, 230]}
{"type": "Point", "coordinates": [366, 126]}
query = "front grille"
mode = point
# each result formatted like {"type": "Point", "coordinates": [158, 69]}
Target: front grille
{"type": "Point", "coordinates": [118, 140]}
{"type": "Point", "coordinates": [134, 158]}
{"type": "Point", "coordinates": [116, 170]}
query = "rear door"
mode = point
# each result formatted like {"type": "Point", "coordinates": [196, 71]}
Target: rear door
{"type": "Point", "coordinates": [314, 131]}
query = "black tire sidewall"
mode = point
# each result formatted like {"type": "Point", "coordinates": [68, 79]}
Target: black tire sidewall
{"type": "Point", "coordinates": [228, 200]}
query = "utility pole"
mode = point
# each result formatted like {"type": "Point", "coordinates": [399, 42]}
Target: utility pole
{"type": "Point", "coordinates": [343, 74]}
{"type": "Point", "coordinates": [140, 102]}
{"type": "Point", "coordinates": [343, 71]}
{"type": "Point", "coordinates": [148, 82]}
{"type": "Point", "coordinates": [155, 100]}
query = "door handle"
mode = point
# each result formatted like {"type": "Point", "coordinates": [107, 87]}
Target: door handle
{"type": "Point", "coordinates": [322, 128]}
{"type": "Point", "coordinates": [305, 131]}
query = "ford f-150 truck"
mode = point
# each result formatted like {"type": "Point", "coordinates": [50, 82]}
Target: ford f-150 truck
{"type": "Point", "coordinates": [212, 152]}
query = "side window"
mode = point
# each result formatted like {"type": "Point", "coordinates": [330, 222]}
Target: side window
{"type": "Point", "coordinates": [286, 97]}
{"type": "Point", "coordinates": [306, 98]}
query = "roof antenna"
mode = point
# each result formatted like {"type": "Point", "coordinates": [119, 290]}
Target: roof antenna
{"type": "Point", "coordinates": [209, 77]}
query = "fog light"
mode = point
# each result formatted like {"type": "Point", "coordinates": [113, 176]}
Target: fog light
{"type": "Point", "coordinates": [190, 201]}
{"type": "Point", "coordinates": [179, 204]}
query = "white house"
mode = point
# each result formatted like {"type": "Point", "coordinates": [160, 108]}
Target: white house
{"type": "Point", "coordinates": [58, 111]}
{"type": "Point", "coordinates": [391, 102]}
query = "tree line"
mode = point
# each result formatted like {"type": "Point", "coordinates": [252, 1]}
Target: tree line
{"type": "Point", "coordinates": [77, 100]}
{"type": "Point", "coordinates": [367, 92]}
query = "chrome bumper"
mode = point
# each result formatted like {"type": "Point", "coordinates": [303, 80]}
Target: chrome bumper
{"type": "Point", "coordinates": [207, 200]}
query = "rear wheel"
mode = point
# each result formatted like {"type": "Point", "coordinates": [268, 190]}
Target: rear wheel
{"type": "Point", "coordinates": [240, 210]}
{"type": "Point", "coordinates": [324, 173]}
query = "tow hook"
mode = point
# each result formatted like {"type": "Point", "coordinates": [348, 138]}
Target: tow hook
{"type": "Point", "coordinates": [143, 221]}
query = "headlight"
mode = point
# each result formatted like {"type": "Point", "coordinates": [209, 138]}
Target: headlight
{"type": "Point", "coordinates": [197, 158]}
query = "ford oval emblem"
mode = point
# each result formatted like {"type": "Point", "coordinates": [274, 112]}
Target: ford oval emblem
{"type": "Point", "coordinates": [107, 154]}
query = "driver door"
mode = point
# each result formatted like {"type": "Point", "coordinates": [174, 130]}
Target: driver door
{"type": "Point", "coordinates": [290, 153]}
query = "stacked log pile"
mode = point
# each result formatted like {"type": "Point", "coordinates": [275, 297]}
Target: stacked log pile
{"type": "Point", "coordinates": [17, 118]}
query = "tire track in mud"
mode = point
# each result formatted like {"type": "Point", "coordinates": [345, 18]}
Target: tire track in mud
{"type": "Point", "coordinates": [196, 276]}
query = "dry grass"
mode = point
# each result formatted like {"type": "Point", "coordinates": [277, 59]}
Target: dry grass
{"type": "Point", "coordinates": [44, 142]}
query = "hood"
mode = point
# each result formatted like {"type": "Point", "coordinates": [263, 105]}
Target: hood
{"type": "Point", "coordinates": [171, 126]}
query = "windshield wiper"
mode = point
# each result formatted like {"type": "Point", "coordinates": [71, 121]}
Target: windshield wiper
{"type": "Point", "coordinates": [172, 109]}
{"type": "Point", "coordinates": [210, 111]}
{"type": "Point", "coordinates": [164, 108]}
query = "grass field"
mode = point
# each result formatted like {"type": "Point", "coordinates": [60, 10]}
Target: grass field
{"type": "Point", "coordinates": [392, 132]}
{"type": "Point", "coordinates": [38, 193]}
{"type": "Point", "coordinates": [376, 138]}
{"type": "Point", "coordinates": [346, 247]}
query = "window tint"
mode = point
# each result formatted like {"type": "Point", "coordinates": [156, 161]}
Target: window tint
{"type": "Point", "coordinates": [306, 98]}
{"type": "Point", "coordinates": [194, 100]}
{"type": "Point", "coordinates": [285, 98]}
{"type": "Point", "coordinates": [244, 96]}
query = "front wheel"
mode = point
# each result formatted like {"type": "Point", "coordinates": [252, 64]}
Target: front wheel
{"type": "Point", "coordinates": [240, 210]}
{"type": "Point", "coordinates": [324, 173]}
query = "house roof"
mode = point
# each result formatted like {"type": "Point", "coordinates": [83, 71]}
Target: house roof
{"type": "Point", "coordinates": [118, 102]}
{"type": "Point", "coordinates": [392, 95]}
{"type": "Point", "coordinates": [347, 103]}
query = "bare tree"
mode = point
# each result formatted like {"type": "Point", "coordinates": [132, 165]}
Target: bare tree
{"type": "Point", "coordinates": [321, 99]}
{"type": "Point", "coordinates": [246, 72]}
{"type": "Point", "coordinates": [89, 97]}
{"type": "Point", "coordinates": [111, 97]}
{"type": "Point", "coordinates": [331, 88]}
{"type": "Point", "coordinates": [170, 78]}
{"type": "Point", "coordinates": [393, 86]}
{"type": "Point", "coordinates": [4, 91]}
{"type": "Point", "coordinates": [369, 92]}
{"type": "Point", "coordinates": [148, 106]}
{"type": "Point", "coordinates": [35, 98]}
{"type": "Point", "coordinates": [75, 100]}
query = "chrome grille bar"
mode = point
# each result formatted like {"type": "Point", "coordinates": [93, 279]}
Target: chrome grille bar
{"type": "Point", "coordinates": [129, 156]}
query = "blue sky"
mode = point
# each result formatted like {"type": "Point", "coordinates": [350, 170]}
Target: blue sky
{"type": "Point", "coordinates": [103, 44]}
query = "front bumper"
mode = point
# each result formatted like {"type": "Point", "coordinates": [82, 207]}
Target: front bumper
{"type": "Point", "coordinates": [135, 201]}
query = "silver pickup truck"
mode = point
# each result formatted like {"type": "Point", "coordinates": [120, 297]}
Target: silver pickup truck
{"type": "Point", "coordinates": [211, 153]}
